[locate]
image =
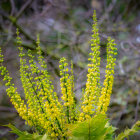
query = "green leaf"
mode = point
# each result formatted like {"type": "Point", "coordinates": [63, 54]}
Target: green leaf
{"type": "Point", "coordinates": [128, 132]}
{"type": "Point", "coordinates": [110, 132]}
{"type": "Point", "coordinates": [96, 128]}
{"type": "Point", "coordinates": [14, 129]}
{"type": "Point", "coordinates": [24, 135]}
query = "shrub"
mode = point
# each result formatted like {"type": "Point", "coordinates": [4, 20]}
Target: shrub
{"type": "Point", "coordinates": [53, 118]}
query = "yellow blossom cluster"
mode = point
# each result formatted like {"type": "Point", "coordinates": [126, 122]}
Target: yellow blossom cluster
{"type": "Point", "coordinates": [11, 91]}
{"type": "Point", "coordinates": [41, 109]}
{"type": "Point", "coordinates": [106, 91]}
{"type": "Point", "coordinates": [97, 98]}
{"type": "Point", "coordinates": [67, 87]}
{"type": "Point", "coordinates": [43, 105]}
{"type": "Point", "coordinates": [92, 91]}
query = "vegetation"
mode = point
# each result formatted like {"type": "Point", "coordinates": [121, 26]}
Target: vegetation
{"type": "Point", "coordinates": [54, 118]}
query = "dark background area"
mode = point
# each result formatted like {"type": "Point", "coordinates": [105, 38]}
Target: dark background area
{"type": "Point", "coordinates": [65, 30]}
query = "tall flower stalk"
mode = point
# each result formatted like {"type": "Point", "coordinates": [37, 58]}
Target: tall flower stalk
{"type": "Point", "coordinates": [58, 118]}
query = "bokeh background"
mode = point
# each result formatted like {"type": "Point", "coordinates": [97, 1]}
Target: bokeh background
{"type": "Point", "coordinates": [65, 30]}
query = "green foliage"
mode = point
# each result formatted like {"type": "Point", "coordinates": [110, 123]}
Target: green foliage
{"type": "Point", "coordinates": [23, 135]}
{"type": "Point", "coordinates": [135, 128]}
{"type": "Point", "coordinates": [96, 128]}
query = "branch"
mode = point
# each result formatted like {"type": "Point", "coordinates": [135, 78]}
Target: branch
{"type": "Point", "coordinates": [109, 9]}
{"type": "Point", "coordinates": [27, 36]}
{"type": "Point", "coordinates": [23, 8]}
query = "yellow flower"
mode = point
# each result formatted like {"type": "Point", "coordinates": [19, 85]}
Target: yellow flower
{"type": "Point", "coordinates": [42, 109]}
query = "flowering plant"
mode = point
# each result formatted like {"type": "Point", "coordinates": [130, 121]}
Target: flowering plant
{"type": "Point", "coordinates": [53, 118]}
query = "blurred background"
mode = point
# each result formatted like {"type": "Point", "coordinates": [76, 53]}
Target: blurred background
{"type": "Point", "coordinates": [65, 30]}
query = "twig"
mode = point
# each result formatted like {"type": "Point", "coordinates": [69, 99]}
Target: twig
{"type": "Point", "coordinates": [81, 73]}
{"type": "Point", "coordinates": [19, 13]}
{"type": "Point", "coordinates": [137, 106]}
{"type": "Point", "coordinates": [28, 2]}
{"type": "Point", "coordinates": [14, 21]}
{"type": "Point", "coordinates": [7, 109]}
{"type": "Point", "coordinates": [121, 114]}
{"type": "Point", "coordinates": [109, 9]}
{"type": "Point", "coordinates": [130, 44]}
{"type": "Point", "coordinates": [12, 7]}
{"type": "Point", "coordinates": [80, 87]}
